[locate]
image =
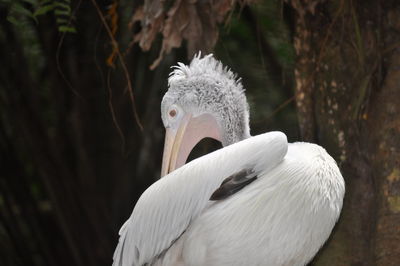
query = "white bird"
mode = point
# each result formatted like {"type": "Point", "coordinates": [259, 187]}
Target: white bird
{"type": "Point", "coordinates": [257, 201]}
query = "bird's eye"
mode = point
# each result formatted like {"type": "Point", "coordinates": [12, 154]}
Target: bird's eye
{"type": "Point", "coordinates": [172, 113]}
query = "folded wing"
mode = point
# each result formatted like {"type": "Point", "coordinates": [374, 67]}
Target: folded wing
{"type": "Point", "coordinates": [166, 208]}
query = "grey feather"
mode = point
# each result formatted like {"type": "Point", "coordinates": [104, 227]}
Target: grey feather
{"type": "Point", "coordinates": [233, 184]}
{"type": "Point", "coordinates": [206, 86]}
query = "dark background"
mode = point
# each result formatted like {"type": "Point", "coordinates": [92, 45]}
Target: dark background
{"type": "Point", "coordinates": [74, 157]}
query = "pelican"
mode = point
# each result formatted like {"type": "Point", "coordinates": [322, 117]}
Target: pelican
{"type": "Point", "coordinates": [256, 201]}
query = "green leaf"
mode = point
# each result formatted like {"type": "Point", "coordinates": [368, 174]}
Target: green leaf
{"type": "Point", "coordinates": [21, 10]}
{"type": "Point", "coordinates": [13, 21]}
{"type": "Point", "coordinates": [43, 10]}
{"type": "Point", "coordinates": [60, 12]}
{"type": "Point", "coordinates": [62, 21]}
{"type": "Point", "coordinates": [66, 29]}
{"type": "Point", "coordinates": [63, 6]}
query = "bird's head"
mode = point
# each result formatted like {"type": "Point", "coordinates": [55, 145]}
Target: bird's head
{"type": "Point", "coordinates": [204, 99]}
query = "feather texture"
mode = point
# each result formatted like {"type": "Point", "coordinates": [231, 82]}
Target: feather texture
{"type": "Point", "coordinates": [206, 86]}
{"type": "Point", "coordinates": [165, 209]}
{"type": "Point", "coordinates": [282, 218]}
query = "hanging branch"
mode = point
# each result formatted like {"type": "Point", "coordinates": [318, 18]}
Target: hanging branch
{"type": "Point", "coordinates": [123, 64]}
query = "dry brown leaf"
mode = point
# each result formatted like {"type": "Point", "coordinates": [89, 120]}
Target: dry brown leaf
{"type": "Point", "coordinates": [113, 17]}
{"type": "Point", "coordinates": [137, 16]}
{"type": "Point", "coordinates": [151, 16]}
{"type": "Point", "coordinates": [192, 20]}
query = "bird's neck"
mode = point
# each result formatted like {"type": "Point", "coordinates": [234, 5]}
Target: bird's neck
{"type": "Point", "coordinates": [236, 136]}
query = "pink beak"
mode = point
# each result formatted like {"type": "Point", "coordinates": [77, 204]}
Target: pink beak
{"type": "Point", "coordinates": [180, 142]}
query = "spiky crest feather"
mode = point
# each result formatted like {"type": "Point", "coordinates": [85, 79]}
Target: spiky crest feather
{"type": "Point", "coordinates": [206, 66]}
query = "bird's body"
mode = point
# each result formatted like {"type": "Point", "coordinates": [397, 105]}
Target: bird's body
{"type": "Point", "coordinates": [282, 218]}
{"type": "Point", "coordinates": [277, 220]}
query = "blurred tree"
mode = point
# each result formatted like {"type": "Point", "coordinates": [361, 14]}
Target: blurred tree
{"type": "Point", "coordinates": [347, 94]}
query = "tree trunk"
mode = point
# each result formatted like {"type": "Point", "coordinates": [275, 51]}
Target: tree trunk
{"type": "Point", "coordinates": [348, 99]}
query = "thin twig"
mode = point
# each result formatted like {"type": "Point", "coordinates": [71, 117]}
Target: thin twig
{"type": "Point", "coordinates": [58, 51]}
{"type": "Point", "coordinates": [114, 118]}
{"type": "Point", "coordinates": [108, 85]}
{"type": "Point", "coordinates": [279, 108]}
{"type": "Point", "coordinates": [121, 59]}
{"type": "Point", "coordinates": [329, 31]}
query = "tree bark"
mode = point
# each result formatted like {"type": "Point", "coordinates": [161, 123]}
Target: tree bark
{"type": "Point", "coordinates": [348, 95]}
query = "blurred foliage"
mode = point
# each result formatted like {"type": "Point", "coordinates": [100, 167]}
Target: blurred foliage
{"type": "Point", "coordinates": [254, 37]}
{"type": "Point", "coordinates": [72, 160]}
{"type": "Point", "coordinates": [20, 10]}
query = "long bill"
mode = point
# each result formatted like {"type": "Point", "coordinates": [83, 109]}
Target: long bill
{"type": "Point", "coordinates": [180, 142]}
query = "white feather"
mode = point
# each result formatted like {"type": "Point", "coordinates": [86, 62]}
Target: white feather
{"type": "Point", "coordinates": [282, 218]}
{"type": "Point", "coordinates": [201, 67]}
{"type": "Point", "coordinates": [166, 209]}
